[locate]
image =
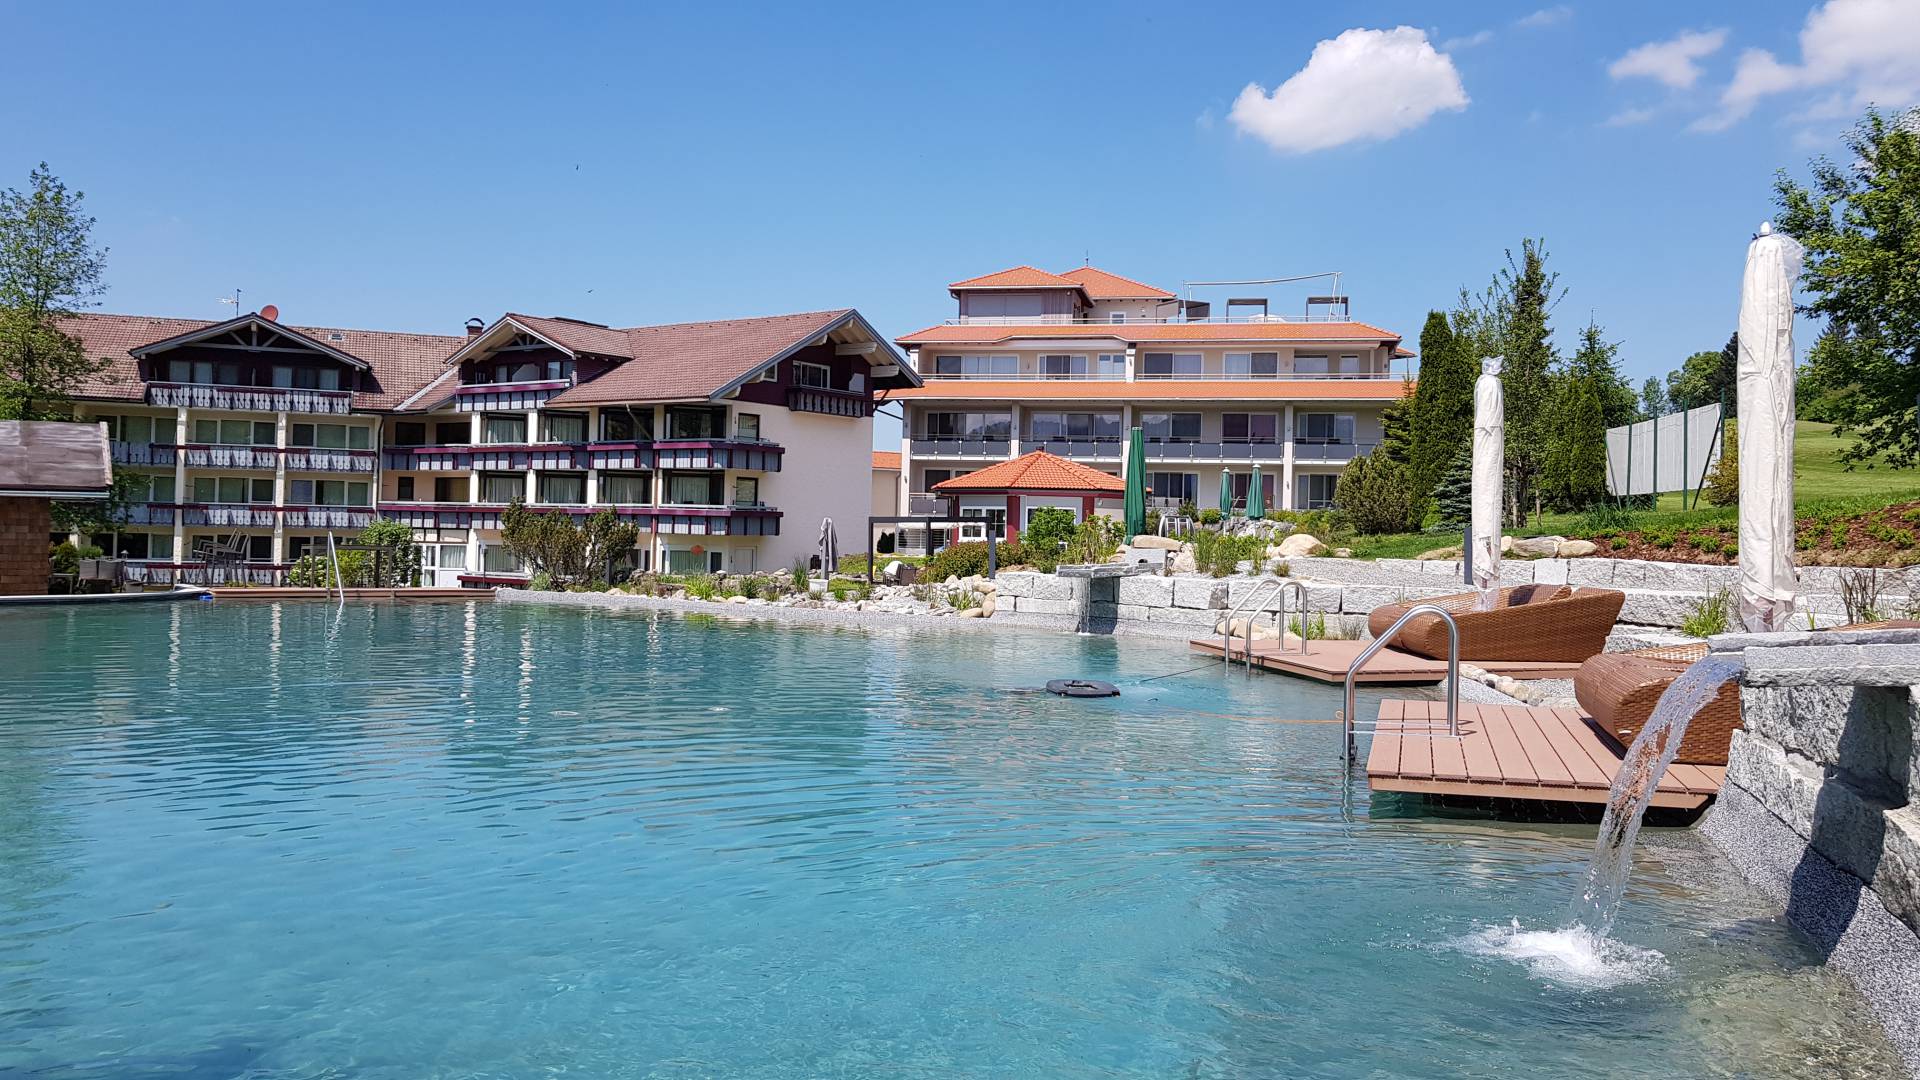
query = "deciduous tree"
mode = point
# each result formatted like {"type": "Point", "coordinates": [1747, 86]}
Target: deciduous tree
{"type": "Point", "coordinates": [49, 270]}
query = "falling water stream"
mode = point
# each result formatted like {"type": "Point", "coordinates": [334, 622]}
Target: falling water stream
{"type": "Point", "coordinates": [1633, 786]}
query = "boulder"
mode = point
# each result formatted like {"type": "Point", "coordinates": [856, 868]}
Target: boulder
{"type": "Point", "coordinates": [1343, 553]}
{"type": "Point", "coordinates": [1184, 562]}
{"type": "Point", "coordinates": [1164, 543]}
{"type": "Point", "coordinates": [891, 571]}
{"type": "Point", "coordinates": [1448, 553]}
{"type": "Point", "coordinates": [973, 613]}
{"type": "Point", "coordinates": [1506, 544]}
{"type": "Point", "coordinates": [1299, 545]}
{"type": "Point", "coordinates": [1573, 549]}
{"type": "Point", "coordinates": [1538, 547]}
{"type": "Point", "coordinates": [988, 605]}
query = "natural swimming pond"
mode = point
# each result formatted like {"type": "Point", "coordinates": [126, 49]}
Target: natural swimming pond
{"type": "Point", "coordinates": [477, 840]}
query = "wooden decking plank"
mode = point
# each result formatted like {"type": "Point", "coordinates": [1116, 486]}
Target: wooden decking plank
{"type": "Point", "coordinates": [1590, 761]}
{"type": "Point", "coordinates": [1416, 753]}
{"type": "Point", "coordinates": [1475, 748]}
{"type": "Point", "coordinates": [1539, 748]}
{"type": "Point", "coordinates": [1515, 766]}
{"type": "Point", "coordinates": [1449, 756]}
{"type": "Point", "coordinates": [1693, 778]}
{"type": "Point", "coordinates": [1383, 756]}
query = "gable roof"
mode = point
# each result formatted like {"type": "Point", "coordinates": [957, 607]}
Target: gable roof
{"type": "Point", "coordinates": [1101, 285]}
{"type": "Point", "coordinates": [1018, 277]}
{"type": "Point", "coordinates": [400, 363]}
{"type": "Point", "coordinates": [679, 361]}
{"type": "Point", "coordinates": [885, 460]}
{"type": "Point", "coordinates": [1036, 471]}
{"type": "Point", "coordinates": [253, 321]}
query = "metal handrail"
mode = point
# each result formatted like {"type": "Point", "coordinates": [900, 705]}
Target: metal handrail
{"type": "Point", "coordinates": [1378, 643]}
{"type": "Point", "coordinates": [1261, 592]}
{"type": "Point", "coordinates": [1280, 621]}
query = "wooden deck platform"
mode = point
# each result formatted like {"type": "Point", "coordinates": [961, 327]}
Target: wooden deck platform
{"type": "Point", "coordinates": [1328, 661]}
{"type": "Point", "coordinates": [1513, 752]}
{"type": "Point", "coordinates": [402, 595]}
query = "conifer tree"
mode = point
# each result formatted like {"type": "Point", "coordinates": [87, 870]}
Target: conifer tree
{"type": "Point", "coordinates": [1442, 401]}
{"type": "Point", "coordinates": [1453, 498]}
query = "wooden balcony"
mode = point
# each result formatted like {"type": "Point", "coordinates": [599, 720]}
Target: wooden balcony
{"type": "Point", "coordinates": [831, 402]}
{"type": "Point", "coordinates": [262, 399]}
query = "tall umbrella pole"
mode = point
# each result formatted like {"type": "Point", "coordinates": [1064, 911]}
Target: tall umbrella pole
{"type": "Point", "coordinates": [1764, 391]}
{"type": "Point", "coordinates": [1489, 457]}
{"type": "Point", "coordinates": [1136, 507]}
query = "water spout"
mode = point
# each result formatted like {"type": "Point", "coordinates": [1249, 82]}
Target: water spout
{"type": "Point", "coordinates": [1633, 787]}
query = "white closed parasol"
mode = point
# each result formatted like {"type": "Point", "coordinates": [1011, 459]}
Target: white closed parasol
{"type": "Point", "coordinates": [1765, 395]}
{"type": "Point", "coordinates": [1489, 456]}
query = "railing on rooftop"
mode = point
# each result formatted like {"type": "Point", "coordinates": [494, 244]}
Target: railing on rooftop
{"type": "Point", "coordinates": [1094, 320]}
{"type": "Point", "coordinates": [1201, 376]}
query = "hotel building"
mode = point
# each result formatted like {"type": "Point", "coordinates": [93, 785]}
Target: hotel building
{"type": "Point", "coordinates": [726, 442]}
{"type": "Point", "coordinates": [1069, 362]}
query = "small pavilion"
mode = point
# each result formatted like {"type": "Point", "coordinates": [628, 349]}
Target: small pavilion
{"type": "Point", "coordinates": [1005, 496]}
{"type": "Point", "coordinates": [42, 462]}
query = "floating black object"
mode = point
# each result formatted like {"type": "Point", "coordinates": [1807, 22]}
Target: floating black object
{"type": "Point", "coordinates": [1082, 688]}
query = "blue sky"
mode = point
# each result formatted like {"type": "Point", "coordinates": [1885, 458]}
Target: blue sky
{"type": "Point", "coordinates": [405, 167]}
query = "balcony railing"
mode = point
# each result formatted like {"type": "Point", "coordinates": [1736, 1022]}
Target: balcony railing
{"type": "Point", "coordinates": [957, 446]}
{"type": "Point", "coordinates": [1310, 453]}
{"type": "Point", "coordinates": [1095, 320]}
{"type": "Point", "coordinates": [1077, 449]}
{"type": "Point", "coordinates": [313, 459]}
{"type": "Point", "coordinates": [1284, 376]}
{"type": "Point", "coordinates": [230, 457]}
{"type": "Point", "coordinates": [731, 519]}
{"type": "Point", "coordinates": [1026, 376]}
{"type": "Point", "coordinates": [249, 398]}
{"type": "Point", "coordinates": [267, 458]}
{"type": "Point", "coordinates": [831, 402]}
{"type": "Point", "coordinates": [1215, 451]}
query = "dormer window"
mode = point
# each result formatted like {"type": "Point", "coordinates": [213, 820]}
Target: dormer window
{"type": "Point", "coordinates": [817, 376]}
{"type": "Point", "coordinates": [305, 378]}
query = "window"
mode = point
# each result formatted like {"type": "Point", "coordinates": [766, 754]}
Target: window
{"type": "Point", "coordinates": [403, 487]}
{"type": "Point", "coordinates": [1075, 427]}
{"type": "Point", "coordinates": [132, 545]}
{"type": "Point", "coordinates": [746, 427]}
{"type": "Point", "coordinates": [143, 488]}
{"type": "Point", "coordinates": [453, 433]}
{"type": "Point", "coordinates": [1324, 428]}
{"type": "Point", "coordinates": [1172, 366]}
{"type": "Point", "coordinates": [746, 491]}
{"type": "Point", "coordinates": [503, 429]}
{"type": "Point", "coordinates": [1117, 317]}
{"type": "Point", "coordinates": [305, 378]}
{"type": "Point", "coordinates": [502, 487]}
{"type": "Point", "coordinates": [444, 556]}
{"type": "Point", "coordinates": [259, 549]}
{"type": "Point", "coordinates": [1309, 365]}
{"type": "Point", "coordinates": [1314, 491]}
{"type": "Point", "coordinates": [1250, 428]}
{"type": "Point", "coordinates": [1110, 366]}
{"type": "Point", "coordinates": [1062, 366]}
{"type": "Point", "coordinates": [233, 432]}
{"type": "Point", "coordinates": [978, 367]}
{"type": "Point", "coordinates": [625, 425]}
{"type": "Point", "coordinates": [1243, 481]}
{"type": "Point", "coordinates": [626, 488]}
{"type": "Point", "coordinates": [567, 489]}
{"type": "Point", "coordinates": [332, 436]}
{"type": "Point", "coordinates": [450, 489]}
{"type": "Point", "coordinates": [1170, 427]}
{"type": "Point", "coordinates": [564, 427]}
{"type": "Point", "coordinates": [819, 376]}
{"type": "Point", "coordinates": [993, 520]}
{"type": "Point", "coordinates": [511, 371]}
{"type": "Point", "coordinates": [696, 423]}
{"type": "Point", "coordinates": [694, 489]}
{"type": "Point", "coordinates": [133, 429]}
{"type": "Point", "coordinates": [691, 562]}
{"type": "Point", "coordinates": [1260, 365]}
{"type": "Point", "coordinates": [203, 371]}
{"type": "Point", "coordinates": [232, 489]}
{"type": "Point", "coordinates": [496, 559]}
{"type": "Point", "coordinates": [953, 426]}
{"type": "Point", "coordinates": [409, 434]}
{"type": "Point", "coordinates": [1176, 486]}
{"type": "Point", "coordinates": [1349, 365]}
{"type": "Point", "coordinates": [327, 493]}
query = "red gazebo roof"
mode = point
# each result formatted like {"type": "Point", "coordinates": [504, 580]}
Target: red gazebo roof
{"type": "Point", "coordinates": [1035, 471]}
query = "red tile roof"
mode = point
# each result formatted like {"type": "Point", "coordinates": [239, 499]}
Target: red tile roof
{"type": "Point", "coordinates": [886, 459]}
{"type": "Point", "coordinates": [680, 361]}
{"type": "Point", "coordinates": [576, 336]}
{"type": "Point", "coordinates": [989, 334]}
{"type": "Point", "coordinates": [1101, 285]}
{"type": "Point", "coordinates": [1035, 471]}
{"type": "Point", "coordinates": [1019, 277]}
{"type": "Point", "coordinates": [402, 363]}
{"type": "Point", "coordinates": [1147, 390]}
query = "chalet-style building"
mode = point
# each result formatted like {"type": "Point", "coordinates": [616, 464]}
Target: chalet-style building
{"type": "Point", "coordinates": [255, 439]}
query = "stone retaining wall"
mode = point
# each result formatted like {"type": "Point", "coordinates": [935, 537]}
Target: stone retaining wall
{"type": "Point", "coordinates": [1819, 805]}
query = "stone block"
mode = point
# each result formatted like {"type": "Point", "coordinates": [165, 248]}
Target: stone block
{"type": "Point", "coordinates": [1834, 665]}
{"type": "Point", "coordinates": [1136, 612]}
{"type": "Point", "coordinates": [1195, 617]}
{"type": "Point", "coordinates": [1031, 605]}
{"type": "Point", "coordinates": [1050, 587]}
{"type": "Point", "coordinates": [1100, 609]}
{"type": "Point", "coordinates": [1645, 607]}
{"type": "Point", "coordinates": [1592, 572]}
{"type": "Point", "coordinates": [1198, 592]}
{"type": "Point", "coordinates": [1147, 591]}
{"type": "Point", "coordinates": [1550, 572]}
{"type": "Point", "coordinates": [1017, 583]}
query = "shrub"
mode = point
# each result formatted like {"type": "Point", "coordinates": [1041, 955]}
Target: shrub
{"type": "Point", "coordinates": [703, 586]}
{"type": "Point", "coordinates": [1282, 568]}
{"type": "Point", "coordinates": [1209, 516]}
{"type": "Point", "coordinates": [749, 587]}
{"type": "Point", "coordinates": [66, 558]}
{"type": "Point", "coordinates": [541, 581]}
{"type": "Point", "coordinates": [839, 588]}
{"type": "Point", "coordinates": [310, 572]}
{"type": "Point", "coordinates": [397, 564]}
{"type": "Point", "coordinates": [550, 542]}
{"type": "Point", "coordinates": [1860, 595]}
{"type": "Point", "coordinates": [1375, 497]}
{"type": "Point", "coordinates": [1619, 543]}
{"type": "Point", "coordinates": [1723, 480]}
{"type": "Point", "coordinates": [1710, 616]}
{"type": "Point", "coordinates": [1315, 628]}
{"type": "Point", "coordinates": [1604, 519]}
{"type": "Point", "coordinates": [798, 575]}
{"type": "Point", "coordinates": [965, 560]}
{"type": "Point", "coordinates": [1219, 554]}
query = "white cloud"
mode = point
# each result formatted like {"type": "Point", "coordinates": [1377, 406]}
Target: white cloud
{"type": "Point", "coordinates": [1467, 41]}
{"type": "Point", "coordinates": [1544, 17]}
{"type": "Point", "coordinates": [1363, 85]}
{"type": "Point", "coordinates": [1869, 50]}
{"type": "Point", "coordinates": [1629, 117]}
{"type": "Point", "coordinates": [1673, 62]}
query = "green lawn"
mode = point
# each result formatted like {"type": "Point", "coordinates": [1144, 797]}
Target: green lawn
{"type": "Point", "coordinates": [1821, 484]}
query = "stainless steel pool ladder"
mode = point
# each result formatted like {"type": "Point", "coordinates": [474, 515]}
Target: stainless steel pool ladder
{"type": "Point", "coordinates": [333, 556]}
{"type": "Point", "coordinates": [1349, 723]}
{"type": "Point", "coordinates": [1261, 593]}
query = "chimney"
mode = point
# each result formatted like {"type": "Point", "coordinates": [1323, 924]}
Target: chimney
{"type": "Point", "coordinates": [474, 327]}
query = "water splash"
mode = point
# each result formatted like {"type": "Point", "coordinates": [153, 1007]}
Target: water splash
{"type": "Point", "coordinates": [1572, 956]}
{"type": "Point", "coordinates": [1645, 763]}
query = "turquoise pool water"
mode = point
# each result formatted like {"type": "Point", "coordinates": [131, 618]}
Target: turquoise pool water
{"type": "Point", "coordinates": [250, 840]}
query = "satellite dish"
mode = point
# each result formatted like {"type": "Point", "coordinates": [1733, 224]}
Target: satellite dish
{"type": "Point", "coordinates": [270, 313]}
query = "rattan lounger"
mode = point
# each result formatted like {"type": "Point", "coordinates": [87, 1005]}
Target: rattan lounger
{"type": "Point", "coordinates": [1541, 623]}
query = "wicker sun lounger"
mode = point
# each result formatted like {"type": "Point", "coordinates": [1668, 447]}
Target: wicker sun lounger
{"type": "Point", "coordinates": [1619, 690]}
{"type": "Point", "coordinates": [1543, 623]}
